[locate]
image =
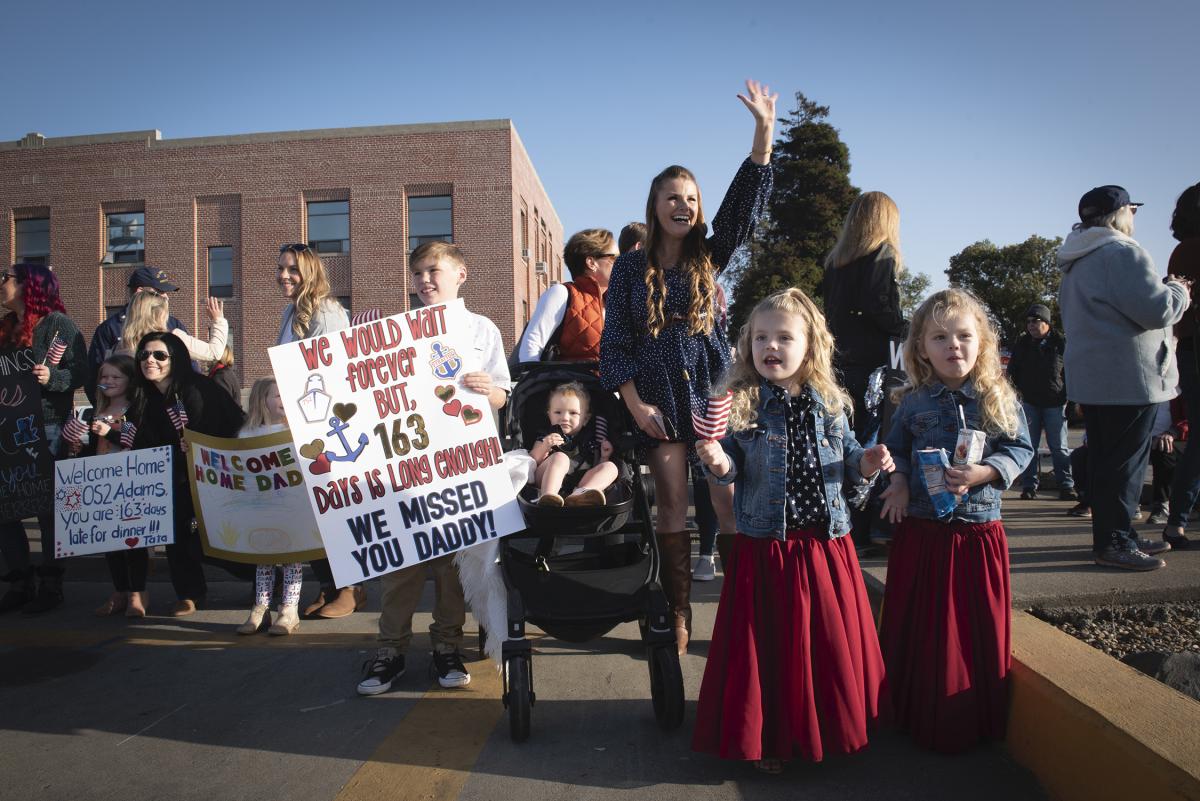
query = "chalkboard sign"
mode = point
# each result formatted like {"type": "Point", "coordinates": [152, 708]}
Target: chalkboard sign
{"type": "Point", "coordinates": [26, 466]}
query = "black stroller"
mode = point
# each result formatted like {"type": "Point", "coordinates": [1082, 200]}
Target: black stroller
{"type": "Point", "coordinates": [577, 572]}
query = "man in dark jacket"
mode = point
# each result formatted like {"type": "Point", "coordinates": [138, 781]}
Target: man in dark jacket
{"type": "Point", "coordinates": [108, 333]}
{"type": "Point", "coordinates": [1036, 370]}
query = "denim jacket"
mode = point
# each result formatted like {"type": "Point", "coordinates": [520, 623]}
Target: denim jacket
{"type": "Point", "coordinates": [759, 458]}
{"type": "Point", "coordinates": [928, 418]}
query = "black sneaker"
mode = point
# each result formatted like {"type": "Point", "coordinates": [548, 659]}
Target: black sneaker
{"type": "Point", "coordinates": [1068, 494]}
{"type": "Point", "coordinates": [379, 673]}
{"type": "Point", "coordinates": [1080, 509]}
{"type": "Point", "coordinates": [1128, 559]}
{"type": "Point", "coordinates": [450, 670]}
{"type": "Point", "coordinates": [1158, 516]}
{"type": "Point", "coordinates": [1029, 495]}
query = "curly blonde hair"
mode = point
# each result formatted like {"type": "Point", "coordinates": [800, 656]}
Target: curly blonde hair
{"type": "Point", "coordinates": [995, 396]}
{"type": "Point", "coordinates": [313, 292]}
{"type": "Point", "coordinates": [694, 262]}
{"type": "Point", "coordinates": [816, 370]}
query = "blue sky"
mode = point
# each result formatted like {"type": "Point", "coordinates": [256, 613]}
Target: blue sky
{"type": "Point", "coordinates": [982, 122]}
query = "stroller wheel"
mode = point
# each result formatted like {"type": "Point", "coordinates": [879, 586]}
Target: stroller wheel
{"type": "Point", "coordinates": [518, 696]}
{"type": "Point", "coordinates": [666, 686]}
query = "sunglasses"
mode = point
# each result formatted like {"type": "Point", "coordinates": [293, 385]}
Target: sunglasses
{"type": "Point", "coordinates": [159, 355]}
{"type": "Point", "coordinates": [294, 248]}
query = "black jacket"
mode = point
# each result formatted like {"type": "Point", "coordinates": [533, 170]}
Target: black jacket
{"type": "Point", "coordinates": [1036, 370]}
{"type": "Point", "coordinates": [862, 308]}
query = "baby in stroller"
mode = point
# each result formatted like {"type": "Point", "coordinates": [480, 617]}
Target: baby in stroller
{"type": "Point", "coordinates": [572, 452]}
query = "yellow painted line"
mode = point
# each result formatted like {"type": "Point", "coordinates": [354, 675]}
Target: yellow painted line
{"type": "Point", "coordinates": [429, 756]}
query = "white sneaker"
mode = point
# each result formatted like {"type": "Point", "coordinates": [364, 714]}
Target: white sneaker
{"type": "Point", "coordinates": [705, 569]}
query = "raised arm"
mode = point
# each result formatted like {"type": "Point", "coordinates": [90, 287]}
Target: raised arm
{"type": "Point", "coordinates": [747, 196]}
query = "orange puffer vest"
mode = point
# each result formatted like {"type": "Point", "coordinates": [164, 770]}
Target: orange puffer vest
{"type": "Point", "coordinates": [583, 321]}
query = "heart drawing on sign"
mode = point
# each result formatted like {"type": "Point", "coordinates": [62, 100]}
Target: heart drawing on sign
{"type": "Point", "coordinates": [471, 415]}
{"type": "Point", "coordinates": [132, 541]}
{"type": "Point", "coordinates": [313, 449]}
{"type": "Point", "coordinates": [320, 465]}
{"type": "Point", "coordinates": [453, 408]}
{"type": "Point", "coordinates": [344, 411]}
{"type": "Point", "coordinates": [444, 392]}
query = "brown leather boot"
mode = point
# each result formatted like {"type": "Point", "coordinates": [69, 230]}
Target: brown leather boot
{"type": "Point", "coordinates": [343, 604]}
{"type": "Point", "coordinates": [675, 575]}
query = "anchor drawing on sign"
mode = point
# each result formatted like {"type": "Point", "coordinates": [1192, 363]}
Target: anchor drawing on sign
{"type": "Point", "coordinates": [445, 362]}
{"type": "Point", "coordinates": [336, 427]}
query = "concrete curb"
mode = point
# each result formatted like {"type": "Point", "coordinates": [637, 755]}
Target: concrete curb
{"type": "Point", "coordinates": [1090, 727]}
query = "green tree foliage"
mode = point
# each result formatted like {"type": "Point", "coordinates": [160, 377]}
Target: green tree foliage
{"type": "Point", "coordinates": [812, 195]}
{"type": "Point", "coordinates": [1010, 279]}
{"type": "Point", "coordinates": [913, 288]}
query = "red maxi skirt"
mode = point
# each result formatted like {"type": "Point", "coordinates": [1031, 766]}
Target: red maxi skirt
{"type": "Point", "coordinates": [946, 632]}
{"type": "Point", "coordinates": [794, 668]}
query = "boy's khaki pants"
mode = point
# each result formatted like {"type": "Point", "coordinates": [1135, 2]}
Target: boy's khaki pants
{"type": "Point", "coordinates": [401, 594]}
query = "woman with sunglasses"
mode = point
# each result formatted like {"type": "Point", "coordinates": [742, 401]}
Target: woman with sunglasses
{"type": "Point", "coordinates": [176, 397]}
{"type": "Point", "coordinates": [313, 310]}
{"type": "Point", "coordinates": [36, 322]}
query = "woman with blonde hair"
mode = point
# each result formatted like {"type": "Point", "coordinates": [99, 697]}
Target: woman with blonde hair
{"type": "Point", "coordinates": [149, 312]}
{"type": "Point", "coordinates": [862, 297]}
{"type": "Point", "coordinates": [313, 310]}
{"type": "Point", "coordinates": [661, 347]}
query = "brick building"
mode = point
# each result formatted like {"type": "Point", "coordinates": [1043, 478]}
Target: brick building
{"type": "Point", "coordinates": [213, 211]}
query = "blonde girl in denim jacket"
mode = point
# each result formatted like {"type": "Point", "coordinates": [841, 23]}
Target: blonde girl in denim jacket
{"type": "Point", "coordinates": [794, 668]}
{"type": "Point", "coordinates": [945, 630]}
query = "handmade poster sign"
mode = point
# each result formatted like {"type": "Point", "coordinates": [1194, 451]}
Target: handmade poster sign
{"type": "Point", "coordinates": [26, 478]}
{"type": "Point", "coordinates": [114, 502]}
{"type": "Point", "coordinates": [250, 499]}
{"type": "Point", "coordinates": [401, 461]}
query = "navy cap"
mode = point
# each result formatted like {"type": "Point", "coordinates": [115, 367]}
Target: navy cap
{"type": "Point", "coordinates": [1103, 200]}
{"type": "Point", "coordinates": [153, 278]}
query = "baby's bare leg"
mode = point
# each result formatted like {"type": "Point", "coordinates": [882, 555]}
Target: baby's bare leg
{"type": "Point", "coordinates": [551, 472]}
{"type": "Point", "coordinates": [599, 477]}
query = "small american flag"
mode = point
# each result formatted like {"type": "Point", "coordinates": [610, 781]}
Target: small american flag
{"type": "Point", "coordinates": [365, 316]}
{"type": "Point", "coordinates": [713, 421]}
{"type": "Point", "coordinates": [128, 432]}
{"type": "Point", "coordinates": [73, 430]}
{"type": "Point", "coordinates": [178, 416]}
{"type": "Point", "coordinates": [54, 354]}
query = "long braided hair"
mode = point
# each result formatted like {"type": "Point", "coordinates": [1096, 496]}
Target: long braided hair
{"type": "Point", "coordinates": [694, 262]}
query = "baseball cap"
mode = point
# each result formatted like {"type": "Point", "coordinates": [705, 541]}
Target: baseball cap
{"type": "Point", "coordinates": [153, 278]}
{"type": "Point", "coordinates": [1103, 200]}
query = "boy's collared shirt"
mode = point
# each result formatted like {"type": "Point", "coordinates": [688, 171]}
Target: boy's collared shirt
{"type": "Point", "coordinates": [489, 349]}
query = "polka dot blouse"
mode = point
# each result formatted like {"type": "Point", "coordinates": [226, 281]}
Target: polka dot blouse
{"type": "Point", "coordinates": [805, 483]}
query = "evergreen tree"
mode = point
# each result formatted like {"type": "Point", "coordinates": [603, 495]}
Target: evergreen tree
{"type": "Point", "coordinates": [812, 195]}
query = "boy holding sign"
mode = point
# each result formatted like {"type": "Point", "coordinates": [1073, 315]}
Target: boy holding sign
{"type": "Point", "coordinates": [437, 270]}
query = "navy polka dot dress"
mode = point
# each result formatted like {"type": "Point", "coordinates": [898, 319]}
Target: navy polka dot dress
{"type": "Point", "coordinates": [676, 371]}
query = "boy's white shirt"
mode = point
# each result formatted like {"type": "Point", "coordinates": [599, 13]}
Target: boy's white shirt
{"type": "Point", "coordinates": [489, 349]}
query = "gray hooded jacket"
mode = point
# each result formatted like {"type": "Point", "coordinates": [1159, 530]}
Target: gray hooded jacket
{"type": "Point", "coordinates": [1117, 316]}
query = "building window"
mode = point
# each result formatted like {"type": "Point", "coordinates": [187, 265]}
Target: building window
{"type": "Point", "coordinates": [126, 238]}
{"type": "Point", "coordinates": [33, 241]}
{"type": "Point", "coordinates": [414, 301]}
{"type": "Point", "coordinates": [109, 311]}
{"type": "Point", "coordinates": [220, 272]}
{"type": "Point", "coordinates": [329, 226]}
{"type": "Point", "coordinates": [524, 235]}
{"type": "Point", "coordinates": [525, 310]}
{"type": "Point", "coordinates": [429, 220]}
